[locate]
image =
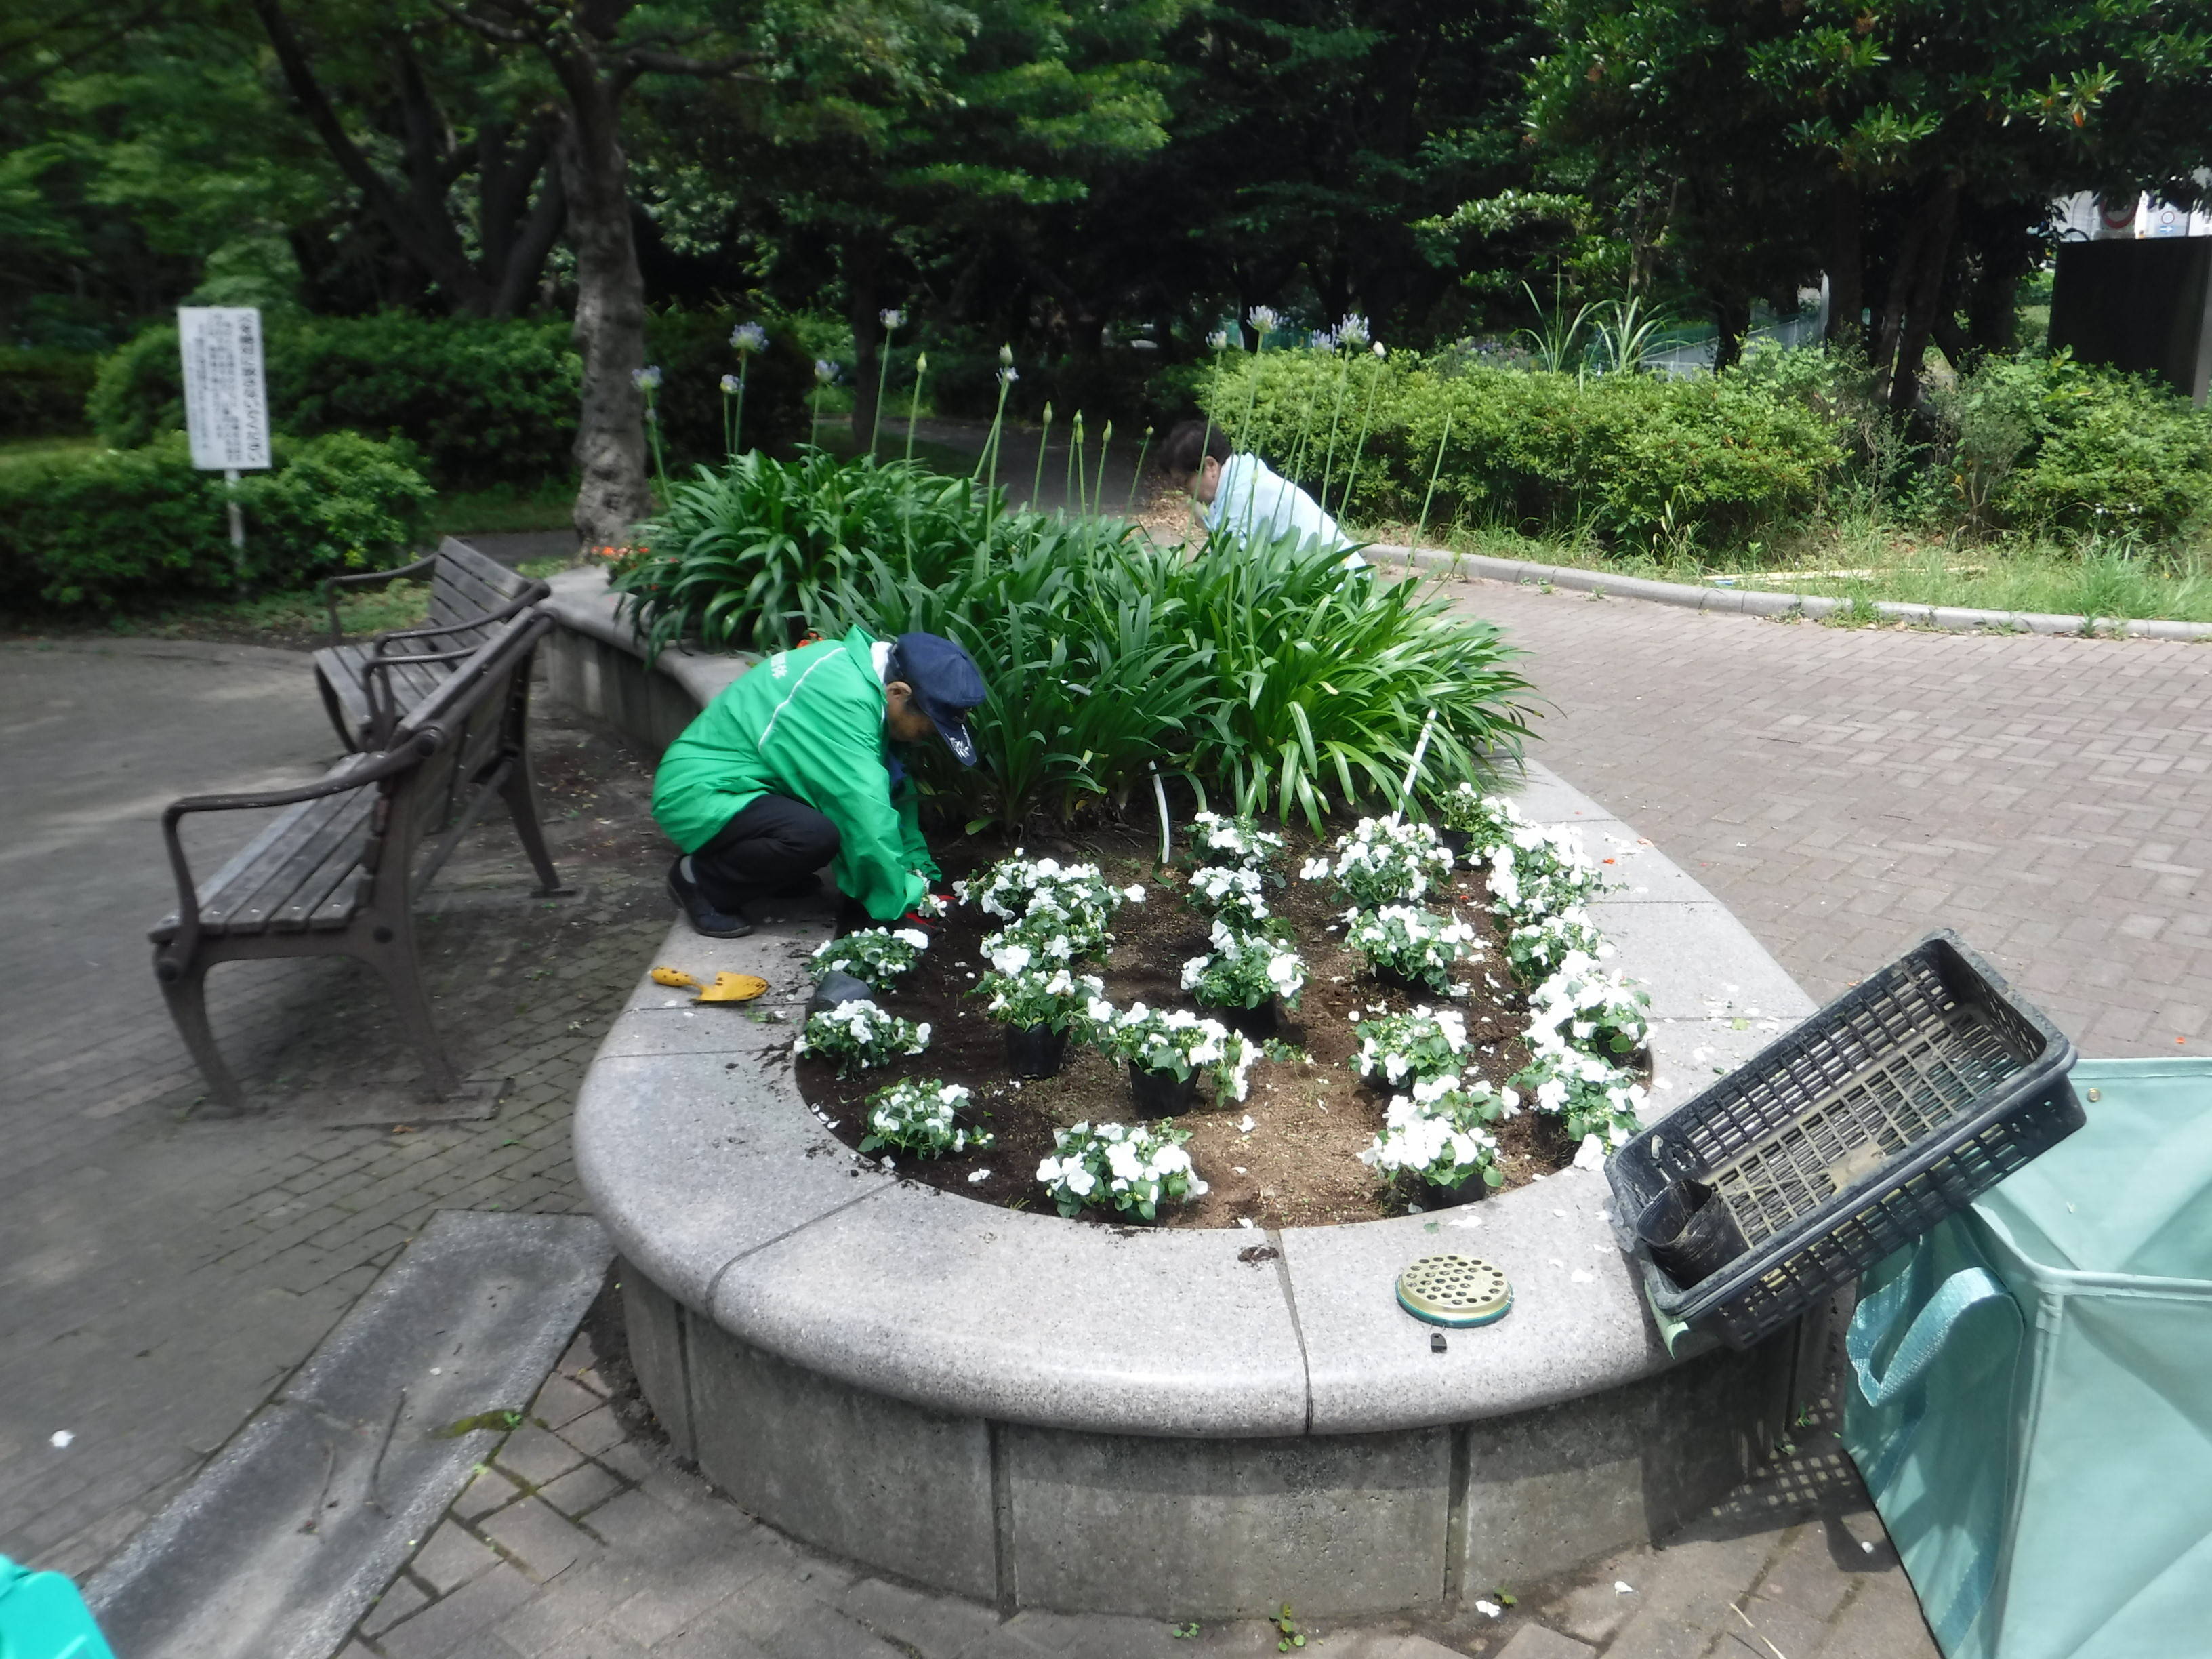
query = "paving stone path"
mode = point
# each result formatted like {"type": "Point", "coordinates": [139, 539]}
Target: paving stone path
{"type": "Point", "coordinates": [160, 1270]}
{"type": "Point", "coordinates": [1844, 790]}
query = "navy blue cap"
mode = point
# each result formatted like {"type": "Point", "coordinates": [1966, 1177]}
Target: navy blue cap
{"type": "Point", "coordinates": [946, 684]}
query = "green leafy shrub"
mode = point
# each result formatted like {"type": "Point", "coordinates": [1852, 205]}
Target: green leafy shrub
{"type": "Point", "coordinates": [1266, 672]}
{"type": "Point", "coordinates": [2047, 444]}
{"type": "Point", "coordinates": [108, 528]}
{"type": "Point", "coordinates": [1723, 459]}
{"type": "Point", "coordinates": [43, 389]}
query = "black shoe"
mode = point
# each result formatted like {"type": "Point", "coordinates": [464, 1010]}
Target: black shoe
{"type": "Point", "coordinates": [705, 918]}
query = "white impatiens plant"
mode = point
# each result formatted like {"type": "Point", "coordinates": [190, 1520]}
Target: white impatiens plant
{"type": "Point", "coordinates": [1590, 1095]}
{"type": "Point", "coordinates": [1244, 971]}
{"type": "Point", "coordinates": [1026, 989]}
{"type": "Point", "coordinates": [1236, 841]}
{"type": "Point", "coordinates": [1425, 1043]}
{"type": "Point", "coordinates": [1441, 1141]}
{"type": "Point", "coordinates": [1582, 1006]}
{"type": "Point", "coordinates": [917, 1116]}
{"type": "Point", "coordinates": [877, 956]}
{"type": "Point", "coordinates": [1127, 1169]}
{"type": "Point", "coordinates": [1229, 894]}
{"type": "Point", "coordinates": [1382, 862]}
{"type": "Point", "coordinates": [1538, 872]}
{"type": "Point", "coordinates": [1537, 949]}
{"type": "Point", "coordinates": [1045, 896]}
{"type": "Point", "coordinates": [860, 1036]}
{"type": "Point", "coordinates": [1418, 946]}
{"type": "Point", "coordinates": [1177, 1043]}
{"type": "Point", "coordinates": [1487, 821]}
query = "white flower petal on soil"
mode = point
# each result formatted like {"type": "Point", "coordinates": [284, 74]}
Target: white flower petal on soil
{"type": "Point", "coordinates": [1620, 1588]}
{"type": "Point", "coordinates": [976, 1177]}
{"type": "Point", "coordinates": [59, 1438]}
{"type": "Point", "coordinates": [1490, 1609]}
{"type": "Point", "coordinates": [1244, 1124]}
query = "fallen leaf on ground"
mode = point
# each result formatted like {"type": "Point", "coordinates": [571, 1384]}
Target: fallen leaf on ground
{"type": "Point", "coordinates": [673, 976]}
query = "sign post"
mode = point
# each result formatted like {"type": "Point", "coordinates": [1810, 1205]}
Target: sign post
{"type": "Point", "coordinates": [226, 399]}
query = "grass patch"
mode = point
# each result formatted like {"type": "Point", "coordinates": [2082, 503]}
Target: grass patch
{"type": "Point", "coordinates": [1871, 565]}
{"type": "Point", "coordinates": [45, 447]}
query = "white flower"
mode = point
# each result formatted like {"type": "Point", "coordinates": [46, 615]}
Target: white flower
{"type": "Point", "coordinates": [647, 379]}
{"type": "Point", "coordinates": [1352, 331]}
{"type": "Point", "coordinates": [731, 386]}
{"type": "Point", "coordinates": [1218, 340]}
{"type": "Point", "coordinates": [1313, 870]}
{"type": "Point", "coordinates": [748, 338]}
{"type": "Point", "coordinates": [890, 319]}
{"type": "Point", "coordinates": [1005, 356]}
{"type": "Point", "coordinates": [1377, 348]}
{"type": "Point", "coordinates": [1264, 321]}
{"type": "Point", "coordinates": [1590, 1155]}
{"type": "Point", "coordinates": [1010, 375]}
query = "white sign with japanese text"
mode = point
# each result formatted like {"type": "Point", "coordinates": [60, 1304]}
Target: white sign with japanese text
{"type": "Point", "coordinates": [226, 399]}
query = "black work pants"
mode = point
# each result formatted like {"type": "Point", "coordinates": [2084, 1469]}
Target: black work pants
{"type": "Point", "coordinates": [761, 850]}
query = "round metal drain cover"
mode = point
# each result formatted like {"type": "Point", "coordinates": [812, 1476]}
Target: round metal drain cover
{"type": "Point", "coordinates": [1454, 1290]}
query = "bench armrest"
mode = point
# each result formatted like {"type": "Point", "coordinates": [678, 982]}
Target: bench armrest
{"type": "Point", "coordinates": [421, 566]}
{"type": "Point", "coordinates": [510, 609]}
{"type": "Point", "coordinates": [366, 768]}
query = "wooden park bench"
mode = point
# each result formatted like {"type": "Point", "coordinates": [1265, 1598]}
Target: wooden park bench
{"type": "Point", "coordinates": [337, 871]}
{"type": "Point", "coordinates": [369, 687]}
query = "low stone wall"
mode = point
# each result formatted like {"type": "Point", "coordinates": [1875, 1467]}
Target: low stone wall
{"type": "Point", "coordinates": [1164, 1422]}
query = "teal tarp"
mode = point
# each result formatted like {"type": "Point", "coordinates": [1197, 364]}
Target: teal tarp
{"type": "Point", "coordinates": [2032, 1392]}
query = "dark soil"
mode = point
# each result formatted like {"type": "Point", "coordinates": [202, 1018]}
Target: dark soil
{"type": "Point", "coordinates": [1311, 1114]}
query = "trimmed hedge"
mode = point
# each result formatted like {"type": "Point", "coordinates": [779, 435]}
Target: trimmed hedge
{"type": "Point", "coordinates": [1625, 456]}
{"type": "Point", "coordinates": [479, 402]}
{"type": "Point", "coordinates": [109, 528]}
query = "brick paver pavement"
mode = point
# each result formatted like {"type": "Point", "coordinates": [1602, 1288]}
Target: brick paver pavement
{"type": "Point", "coordinates": [160, 1270]}
{"type": "Point", "coordinates": [1844, 790]}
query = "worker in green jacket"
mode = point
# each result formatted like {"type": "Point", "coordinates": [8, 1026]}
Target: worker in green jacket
{"type": "Point", "coordinates": [791, 769]}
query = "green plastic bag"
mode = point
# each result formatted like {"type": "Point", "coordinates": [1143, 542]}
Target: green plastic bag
{"type": "Point", "coordinates": [2030, 1399]}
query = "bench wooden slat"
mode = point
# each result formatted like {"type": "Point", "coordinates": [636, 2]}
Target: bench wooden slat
{"type": "Point", "coordinates": [336, 841]}
{"type": "Point", "coordinates": [341, 872]}
{"type": "Point", "coordinates": [305, 831]}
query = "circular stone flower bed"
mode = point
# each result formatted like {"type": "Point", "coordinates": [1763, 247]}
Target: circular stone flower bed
{"type": "Point", "coordinates": [1289, 1151]}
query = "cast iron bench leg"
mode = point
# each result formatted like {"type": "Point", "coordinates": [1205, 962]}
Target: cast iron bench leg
{"type": "Point", "coordinates": [187, 995]}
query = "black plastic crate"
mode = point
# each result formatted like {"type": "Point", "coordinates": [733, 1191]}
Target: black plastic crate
{"type": "Point", "coordinates": [1897, 1104]}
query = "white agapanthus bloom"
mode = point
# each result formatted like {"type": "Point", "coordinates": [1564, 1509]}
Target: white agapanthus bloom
{"type": "Point", "coordinates": [748, 338]}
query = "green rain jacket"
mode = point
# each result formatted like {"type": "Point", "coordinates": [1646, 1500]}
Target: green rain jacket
{"type": "Point", "coordinates": [808, 724]}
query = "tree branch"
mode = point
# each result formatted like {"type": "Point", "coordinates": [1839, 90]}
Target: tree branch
{"type": "Point", "coordinates": [445, 264]}
{"type": "Point", "coordinates": [642, 60]}
{"type": "Point", "coordinates": [489, 30]}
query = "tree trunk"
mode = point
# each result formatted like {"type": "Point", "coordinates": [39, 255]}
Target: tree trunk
{"type": "Point", "coordinates": [610, 330]}
{"type": "Point", "coordinates": [1846, 265]}
{"type": "Point", "coordinates": [1941, 220]}
{"type": "Point", "coordinates": [1904, 272]}
{"type": "Point", "coordinates": [863, 309]}
{"type": "Point", "coordinates": [1732, 317]}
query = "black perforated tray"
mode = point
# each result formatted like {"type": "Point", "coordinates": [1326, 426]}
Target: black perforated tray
{"type": "Point", "coordinates": [1897, 1104]}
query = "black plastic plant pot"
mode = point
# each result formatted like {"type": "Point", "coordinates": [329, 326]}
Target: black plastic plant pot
{"type": "Point", "coordinates": [1456, 842]}
{"type": "Point", "coordinates": [1162, 1094]}
{"type": "Point", "coordinates": [1035, 1050]}
{"type": "Point", "coordinates": [1436, 1195]}
{"type": "Point", "coordinates": [1258, 1024]}
{"type": "Point", "coordinates": [1689, 1232]}
{"type": "Point", "coordinates": [1407, 982]}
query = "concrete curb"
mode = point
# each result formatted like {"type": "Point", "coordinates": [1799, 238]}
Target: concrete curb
{"type": "Point", "coordinates": [280, 1544]}
{"type": "Point", "coordinates": [1812, 606]}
